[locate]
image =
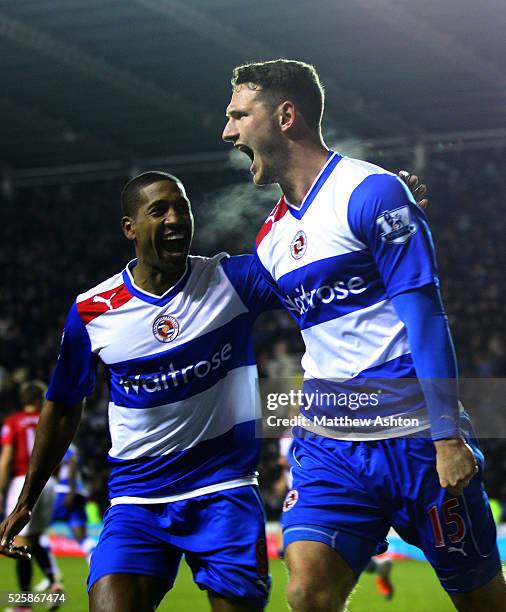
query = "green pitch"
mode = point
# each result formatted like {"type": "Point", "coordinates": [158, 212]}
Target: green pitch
{"type": "Point", "coordinates": [417, 589]}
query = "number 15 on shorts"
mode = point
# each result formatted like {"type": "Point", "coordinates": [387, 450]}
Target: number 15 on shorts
{"type": "Point", "coordinates": [455, 526]}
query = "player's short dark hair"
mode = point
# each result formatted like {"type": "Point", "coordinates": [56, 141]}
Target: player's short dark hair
{"type": "Point", "coordinates": [32, 391]}
{"type": "Point", "coordinates": [130, 192]}
{"type": "Point", "coordinates": [284, 79]}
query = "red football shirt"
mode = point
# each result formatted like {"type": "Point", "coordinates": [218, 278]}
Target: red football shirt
{"type": "Point", "coordinates": [19, 431]}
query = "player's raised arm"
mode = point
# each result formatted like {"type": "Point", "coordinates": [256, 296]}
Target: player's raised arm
{"type": "Point", "coordinates": [56, 428]}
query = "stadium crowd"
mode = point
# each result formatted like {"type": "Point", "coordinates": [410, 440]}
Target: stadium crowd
{"type": "Point", "coordinates": [58, 241]}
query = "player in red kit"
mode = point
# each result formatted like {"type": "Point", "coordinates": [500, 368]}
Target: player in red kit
{"type": "Point", "coordinates": [18, 434]}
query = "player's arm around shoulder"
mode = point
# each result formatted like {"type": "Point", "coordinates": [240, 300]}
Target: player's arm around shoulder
{"type": "Point", "coordinates": [251, 281]}
{"type": "Point", "coordinates": [418, 190]}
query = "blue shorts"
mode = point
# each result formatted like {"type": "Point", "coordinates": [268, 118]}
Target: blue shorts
{"type": "Point", "coordinates": [74, 515]}
{"type": "Point", "coordinates": [222, 536]}
{"type": "Point", "coordinates": [348, 494]}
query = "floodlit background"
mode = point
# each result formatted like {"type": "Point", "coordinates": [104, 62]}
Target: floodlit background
{"type": "Point", "coordinates": [94, 91]}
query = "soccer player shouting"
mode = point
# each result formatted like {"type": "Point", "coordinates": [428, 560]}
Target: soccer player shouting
{"type": "Point", "coordinates": [350, 254]}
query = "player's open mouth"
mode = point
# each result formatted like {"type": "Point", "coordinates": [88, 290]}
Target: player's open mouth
{"type": "Point", "coordinates": [247, 151]}
{"type": "Point", "coordinates": [174, 243]}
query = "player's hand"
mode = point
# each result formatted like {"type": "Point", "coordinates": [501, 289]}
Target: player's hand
{"type": "Point", "coordinates": [455, 464]}
{"type": "Point", "coordinates": [417, 189]}
{"type": "Point", "coordinates": [9, 529]}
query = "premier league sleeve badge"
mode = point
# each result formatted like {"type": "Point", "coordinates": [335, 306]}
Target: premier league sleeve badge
{"type": "Point", "coordinates": [396, 225]}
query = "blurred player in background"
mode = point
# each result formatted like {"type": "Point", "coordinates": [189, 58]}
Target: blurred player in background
{"type": "Point", "coordinates": [351, 256]}
{"type": "Point", "coordinates": [382, 567]}
{"type": "Point", "coordinates": [70, 501]}
{"type": "Point", "coordinates": [18, 435]}
{"type": "Point", "coordinates": [70, 507]}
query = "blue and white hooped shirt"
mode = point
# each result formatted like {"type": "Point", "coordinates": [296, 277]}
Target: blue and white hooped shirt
{"type": "Point", "coordinates": [357, 240]}
{"type": "Point", "coordinates": [182, 377]}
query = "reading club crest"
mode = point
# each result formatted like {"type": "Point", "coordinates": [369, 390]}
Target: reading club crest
{"type": "Point", "coordinates": [298, 245]}
{"type": "Point", "coordinates": [165, 328]}
{"type": "Point", "coordinates": [290, 500]}
{"type": "Point", "coordinates": [396, 225]}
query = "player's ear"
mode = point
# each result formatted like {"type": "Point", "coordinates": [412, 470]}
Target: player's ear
{"type": "Point", "coordinates": [286, 115]}
{"type": "Point", "coordinates": [128, 227]}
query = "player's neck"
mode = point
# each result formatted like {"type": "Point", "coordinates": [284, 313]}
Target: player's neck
{"type": "Point", "coordinates": [156, 281]}
{"type": "Point", "coordinates": [30, 408]}
{"type": "Point", "coordinates": [305, 163]}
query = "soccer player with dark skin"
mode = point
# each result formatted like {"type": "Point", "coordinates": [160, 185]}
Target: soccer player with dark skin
{"type": "Point", "coordinates": [285, 146]}
{"type": "Point", "coordinates": [160, 208]}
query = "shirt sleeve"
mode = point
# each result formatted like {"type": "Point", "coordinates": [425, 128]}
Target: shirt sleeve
{"type": "Point", "coordinates": [246, 275]}
{"type": "Point", "coordinates": [74, 375]}
{"type": "Point", "coordinates": [7, 436]}
{"type": "Point", "coordinates": [421, 311]}
{"type": "Point", "coordinates": [383, 215]}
